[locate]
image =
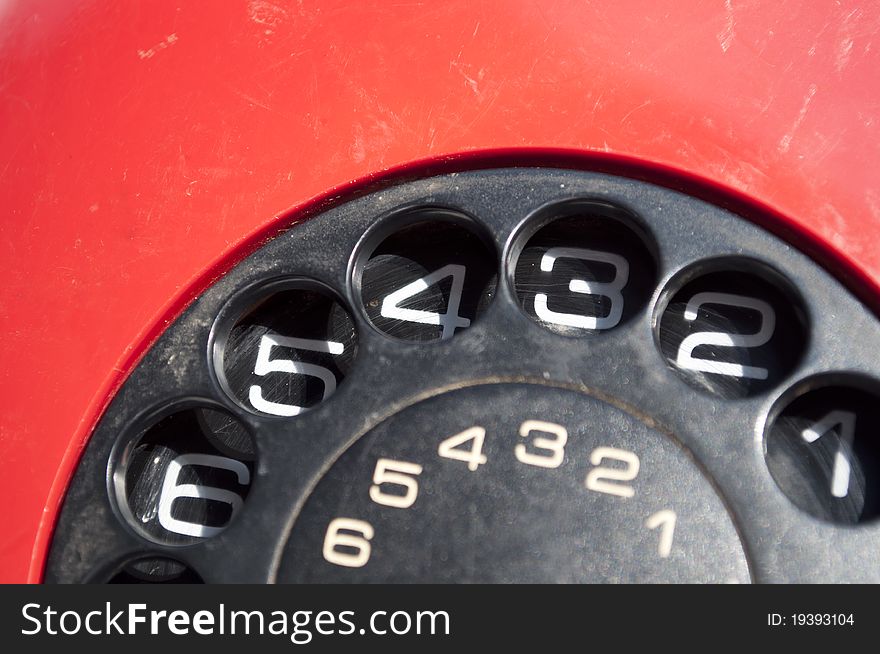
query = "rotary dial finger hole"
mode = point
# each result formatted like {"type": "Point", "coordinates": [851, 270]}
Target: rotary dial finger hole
{"type": "Point", "coordinates": [186, 476]}
{"type": "Point", "coordinates": [155, 570]}
{"type": "Point", "coordinates": [291, 345]}
{"type": "Point", "coordinates": [822, 449]}
{"type": "Point", "coordinates": [588, 270]}
{"type": "Point", "coordinates": [732, 328]}
{"type": "Point", "coordinates": [429, 278]}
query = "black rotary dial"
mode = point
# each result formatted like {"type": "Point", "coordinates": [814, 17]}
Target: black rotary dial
{"type": "Point", "coordinates": [499, 375]}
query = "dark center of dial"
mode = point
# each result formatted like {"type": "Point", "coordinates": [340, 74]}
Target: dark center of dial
{"type": "Point", "coordinates": [514, 483]}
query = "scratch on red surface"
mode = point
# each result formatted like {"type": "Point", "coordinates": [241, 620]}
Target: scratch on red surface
{"type": "Point", "coordinates": [785, 141]}
{"type": "Point", "coordinates": [726, 35]}
{"type": "Point", "coordinates": [149, 53]}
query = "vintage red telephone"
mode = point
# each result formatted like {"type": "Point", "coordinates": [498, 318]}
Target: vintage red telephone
{"type": "Point", "coordinates": [460, 291]}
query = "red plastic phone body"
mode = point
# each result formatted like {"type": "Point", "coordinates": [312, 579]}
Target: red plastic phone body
{"type": "Point", "coordinates": [145, 147]}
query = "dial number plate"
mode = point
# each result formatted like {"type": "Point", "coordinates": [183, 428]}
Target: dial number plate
{"type": "Point", "coordinates": [450, 490]}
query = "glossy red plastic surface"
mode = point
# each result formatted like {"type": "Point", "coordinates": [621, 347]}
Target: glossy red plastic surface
{"type": "Point", "coordinates": [145, 147]}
